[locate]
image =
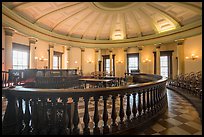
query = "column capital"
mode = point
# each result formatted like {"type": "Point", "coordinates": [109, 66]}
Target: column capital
{"type": "Point", "coordinates": [68, 48]}
{"type": "Point", "coordinates": [32, 40]}
{"type": "Point", "coordinates": [158, 45]}
{"type": "Point", "coordinates": [51, 45]}
{"type": "Point", "coordinates": [96, 50]}
{"type": "Point", "coordinates": [179, 41]}
{"type": "Point", "coordinates": [9, 31]}
{"type": "Point", "coordinates": [140, 48]}
{"type": "Point", "coordinates": [125, 49]}
{"type": "Point", "coordinates": [110, 50]}
{"type": "Point", "coordinates": [82, 49]}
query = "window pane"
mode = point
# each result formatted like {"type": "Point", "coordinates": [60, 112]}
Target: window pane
{"type": "Point", "coordinates": [20, 59]}
{"type": "Point", "coordinates": [133, 63]}
{"type": "Point", "coordinates": [56, 62]}
{"type": "Point", "coordinates": [164, 66]}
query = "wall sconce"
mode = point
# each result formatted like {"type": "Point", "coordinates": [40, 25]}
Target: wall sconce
{"type": "Point", "coordinates": [193, 57]}
{"type": "Point", "coordinates": [89, 61]}
{"type": "Point", "coordinates": [41, 59]}
{"type": "Point", "coordinates": [75, 62]}
{"type": "Point", "coordinates": [119, 61]}
{"type": "Point", "coordinates": [146, 60]}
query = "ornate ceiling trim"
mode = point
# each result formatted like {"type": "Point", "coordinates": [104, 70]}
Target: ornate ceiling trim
{"type": "Point", "coordinates": [13, 20]}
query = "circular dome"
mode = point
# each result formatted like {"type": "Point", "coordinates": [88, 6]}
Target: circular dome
{"type": "Point", "coordinates": [102, 23]}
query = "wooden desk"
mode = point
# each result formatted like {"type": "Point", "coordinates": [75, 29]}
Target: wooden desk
{"type": "Point", "coordinates": [95, 81]}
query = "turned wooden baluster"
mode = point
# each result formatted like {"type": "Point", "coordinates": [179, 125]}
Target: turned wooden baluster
{"type": "Point", "coordinates": [34, 117]}
{"type": "Point", "coordinates": [144, 103]}
{"type": "Point", "coordinates": [148, 102]}
{"type": "Point", "coordinates": [161, 95]}
{"type": "Point", "coordinates": [20, 125]}
{"type": "Point", "coordinates": [113, 115]}
{"type": "Point", "coordinates": [44, 119]}
{"type": "Point", "coordinates": [27, 117]}
{"type": "Point", "coordinates": [96, 129]}
{"type": "Point", "coordinates": [158, 99]}
{"type": "Point", "coordinates": [65, 130]}
{"type": "Point", "coordinates": [152, 103]}
{"type": "Point", "coordinates": [121, 113]}
{"type": "Point", "coordinates": [139, 105]}
{"type": "Point", "coordinates": [54, 127]}
{"type": "Point", "coordinates": [155, 101]}
{"type": "Point", "coordinates": [9, 125]}
{"type": "Point", "coordinates": [134, 107]}
{"type": "Point", "coordinates": [86, 117]}
{"type": "Point", "coordinates": [105, 116]}
{"type": "Point", "coordinates": [128, 110]}
{"type": "Point", "coordinates": [76, 116]}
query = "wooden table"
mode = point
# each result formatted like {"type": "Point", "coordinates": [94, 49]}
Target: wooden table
{"type": "Point", "coordinates": [96, 81]}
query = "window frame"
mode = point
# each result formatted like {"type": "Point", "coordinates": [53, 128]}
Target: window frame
{"type": "Point", "coordinates": [59, 55]}
{"type": "Point", "coordinates": [132, 55]}
{"type": "Point", "coordinates": [168, 53]}
{"type": "Point", "coordinates": [104, 62]}
{"type": "Point", "coordinates": [21, 48]}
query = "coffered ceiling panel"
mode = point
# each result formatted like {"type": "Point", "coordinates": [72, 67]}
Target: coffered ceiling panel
{"type": "Point", "coordinates": [108, 20]}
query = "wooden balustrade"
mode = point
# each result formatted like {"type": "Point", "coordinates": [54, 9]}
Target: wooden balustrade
{"type": "Point", "coordinates": [45, 111]}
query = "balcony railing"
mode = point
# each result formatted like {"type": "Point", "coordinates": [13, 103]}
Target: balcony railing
{"type": "Point", "coordinates": [47, 111]}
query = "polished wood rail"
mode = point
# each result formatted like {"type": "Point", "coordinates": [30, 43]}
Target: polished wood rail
{"type": "Point", "coordinates": [47, 111]}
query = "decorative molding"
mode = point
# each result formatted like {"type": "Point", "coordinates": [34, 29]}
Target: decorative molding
{"type": "Point", "coordinates": [140, 47]}
{"type": "Point", "coordinates": [11, 19]}
{"type": "Point", "coordinates": [82, 49]}
{"type": "Point", "coordinates": [9, 31]}
{"type": "Point", "coordinates": [51, 45]}
{"type": "Point", "coordinates": [179, 41]}
{"type": "Point", "coordinates": [68, 48]}
{"type": "Point", "coordinates": [110, 50]}
{"type": "Point", "coordinates": [96, 50]}
{"type": "Point", "coordinates": [32, 40]}
{"type": "Point", "coordinates": [125, 49]}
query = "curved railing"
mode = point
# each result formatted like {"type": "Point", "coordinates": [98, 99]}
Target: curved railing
{"type": "Point", "coordinates": [53, 111]}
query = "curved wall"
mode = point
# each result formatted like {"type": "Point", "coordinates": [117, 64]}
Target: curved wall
{"type": "Point", "coordinates": [190, 44]}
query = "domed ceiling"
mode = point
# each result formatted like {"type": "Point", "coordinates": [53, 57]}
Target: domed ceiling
{"type": "Point", "coordinates": [112, 21]}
